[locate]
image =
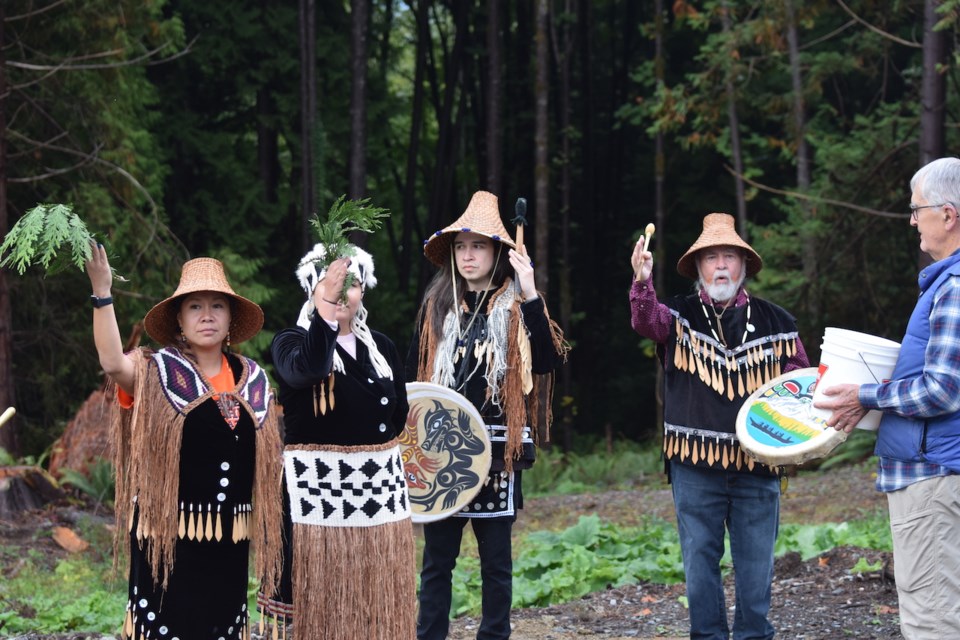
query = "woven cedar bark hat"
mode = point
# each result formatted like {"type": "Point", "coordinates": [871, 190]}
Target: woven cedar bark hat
{"type": "Point", "coordinates": [482, 217]}
{"type": "Point", "coordinates": [719, 230]}
{"type": "Point", "coordinates": [203, 274]}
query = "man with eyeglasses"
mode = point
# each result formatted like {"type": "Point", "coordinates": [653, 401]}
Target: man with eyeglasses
{"type": "Point", "coordinates": [919, 437]}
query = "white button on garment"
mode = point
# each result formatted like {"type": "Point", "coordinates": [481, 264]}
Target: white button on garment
{"type": "Point", "coordinates": [224, 482]}
{"type": "Point", "coordinates": [163, 631]}
{"type": "Point", "coordinates": [225, 466]}
{"type": "Point", "coordinates": [151, 616]}
{"type": "Point", "coordinates": [384, 401]}
{"type": "Point", "coordinates": [143, 603]}
{"type": "Point", "coordinates": [221, 497]}
{"type": "Point", "coordinates": [383, 428]}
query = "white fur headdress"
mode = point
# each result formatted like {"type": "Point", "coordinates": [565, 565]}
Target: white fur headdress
{"type": "Point", "coordinates": [312, 269]}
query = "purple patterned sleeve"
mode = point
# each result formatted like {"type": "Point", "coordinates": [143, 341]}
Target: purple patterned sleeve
{"type": "Point", "coordinates": [648, 316]}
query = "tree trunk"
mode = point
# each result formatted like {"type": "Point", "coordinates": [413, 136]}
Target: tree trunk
{"type": "Point", "coordinates": [564, 47]}
{"type": "Point", "coordinates": [413, 148]}
{"type": "Point", "coordinates": [360, 16]}
{"type": "Point", "coordinates": [308, 112]}
{"type": "Point", "coordinates": [933, 91]}
{"type": "Point", "coordinates": [659, 179]}
{"type": "Point", "coordinates": [441, 201]}
{"type": "Point", "coordinates": [810, 267]}
{"type": "Point", "coordinates": [494, 96]}
{"type": "Point", "coordinates": [541, 169]}
{"type": "Point", "coordinates": [268, 167]}
{"type": "Point", "coordinates": [541, 219]}
{"type": "Point", "coordinates": [24, 488]}
{"type": "Point", "coordinates": [734, 123]}
{"type": "Point", "coordinates": [8, 433]}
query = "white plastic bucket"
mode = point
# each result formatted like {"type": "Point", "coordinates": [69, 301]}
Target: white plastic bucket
{"type": "Point", "coordinates": [852, 357]}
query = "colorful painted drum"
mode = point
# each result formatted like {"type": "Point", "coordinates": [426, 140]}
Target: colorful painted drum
{"type": "Point", "coordinates": [778, 425]}
{"type": "Point", "coordinates": [445, 451]}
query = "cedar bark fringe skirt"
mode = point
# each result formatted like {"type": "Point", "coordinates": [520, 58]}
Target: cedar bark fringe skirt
{"type": "Point", "coordinates": [354, 566]}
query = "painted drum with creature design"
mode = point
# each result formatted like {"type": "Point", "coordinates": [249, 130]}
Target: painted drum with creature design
{"type": "Point", "coordinates": [445, 451]}
{"type": "Point", "coordinates": [778, 425]}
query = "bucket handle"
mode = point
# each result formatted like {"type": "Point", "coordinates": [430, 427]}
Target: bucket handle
{"type": "Point", "coordinates": [872, 375]}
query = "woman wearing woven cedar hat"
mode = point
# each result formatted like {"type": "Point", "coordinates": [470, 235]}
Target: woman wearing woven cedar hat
{"type": "Point", "coordinates": [350, 569]}
{"type": "Point", "coordinates": [484, 331]}
{"type": "Point", "coordinates": [718, 345]}
{"type": "Point", "coordinates": [196, 449]}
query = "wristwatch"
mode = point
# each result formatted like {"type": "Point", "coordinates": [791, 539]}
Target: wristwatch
{"type": "Point", "coordinates": [100, 302]}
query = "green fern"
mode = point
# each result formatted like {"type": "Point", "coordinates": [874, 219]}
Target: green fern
{"type": "Point", "coordinates": [98, 484]}
{"type": "Point", "coordinates": [345, 216]}
{"type": "Point", "coordinates": [37, 237]}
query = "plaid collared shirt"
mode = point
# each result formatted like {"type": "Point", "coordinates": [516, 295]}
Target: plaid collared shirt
{"type": "Point", "coordinates": [935, 393]}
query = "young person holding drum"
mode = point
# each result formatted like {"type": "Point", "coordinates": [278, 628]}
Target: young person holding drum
{"type": "Point", "coordinates": [717, 346]}
{"type": "Point", "coordinates": [918, 440]}
{"type": "Point", "coordinates": [483, 330]}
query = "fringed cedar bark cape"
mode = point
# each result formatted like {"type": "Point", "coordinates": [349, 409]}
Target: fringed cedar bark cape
{"type": "Point", "coordinates": [198, 482]}
{"type": "Point", "coordinates": [504, 366]}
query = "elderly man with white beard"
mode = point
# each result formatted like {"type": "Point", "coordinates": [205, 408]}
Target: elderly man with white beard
{"type": "Point", "coordinates": [717, 345]}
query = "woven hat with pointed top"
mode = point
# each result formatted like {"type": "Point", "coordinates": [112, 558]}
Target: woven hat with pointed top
{"type": "Point", "coordinates": [203, 274]}
{"type": "Point", "coordinates": [719, 230]}
{"type": "Point", "coordinates": [482, 216]}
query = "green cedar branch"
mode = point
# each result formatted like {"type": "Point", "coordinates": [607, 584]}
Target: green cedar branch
{"type": "Point", "coordinates": [343, 218]}
{"type": "Point", "coordinates": [50, 236]}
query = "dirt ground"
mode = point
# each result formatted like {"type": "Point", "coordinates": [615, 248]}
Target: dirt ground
{"type": "Point", "coordinates": [814, 600]}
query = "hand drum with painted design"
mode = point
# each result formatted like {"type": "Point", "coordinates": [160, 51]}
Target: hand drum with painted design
{"type": "Point", "coordinates": [445, 451]}
{"type": "Point", "coordinates": [778, 425]}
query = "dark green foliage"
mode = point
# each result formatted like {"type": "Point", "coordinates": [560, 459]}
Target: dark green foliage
{"type": "Point", "coordinates": [200, 155]}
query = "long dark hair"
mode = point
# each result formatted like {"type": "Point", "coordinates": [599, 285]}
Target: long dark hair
{"type": "Point", "coordinates": [440, 288]}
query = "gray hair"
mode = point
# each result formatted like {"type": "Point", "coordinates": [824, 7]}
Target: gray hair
{"type": "Point", "coordinates": [939, 181]}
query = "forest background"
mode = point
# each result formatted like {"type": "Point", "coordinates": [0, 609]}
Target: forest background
{"type": "Point", "coordinates": [183, 128]}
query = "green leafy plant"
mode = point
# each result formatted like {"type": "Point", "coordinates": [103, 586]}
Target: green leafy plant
{"type": "Point", "coordinates": [98, 483]}
{"type": "Point", "coordinates": [870, 532]}
{"type": "Point", "coordinates": [37, 237]}
{"type": "Point", "coordinates": [343, 218]}
{"type": "Point", "coordinates": [863, 566]}
{"type": "Point", "coordinates": [591, 467]}
{"type": "Point", "coordinates": [555, 567]}
{"type": "Point", "coordinates": [78, 594]}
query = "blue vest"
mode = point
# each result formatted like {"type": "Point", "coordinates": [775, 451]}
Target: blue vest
{"type": "Point", "coordinates": [934, 440]}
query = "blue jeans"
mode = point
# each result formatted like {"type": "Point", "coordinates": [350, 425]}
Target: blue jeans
{"type": "Point", "coordinates": [441, 548]}
{"type": "Point", "coordinates": [708, 501]}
